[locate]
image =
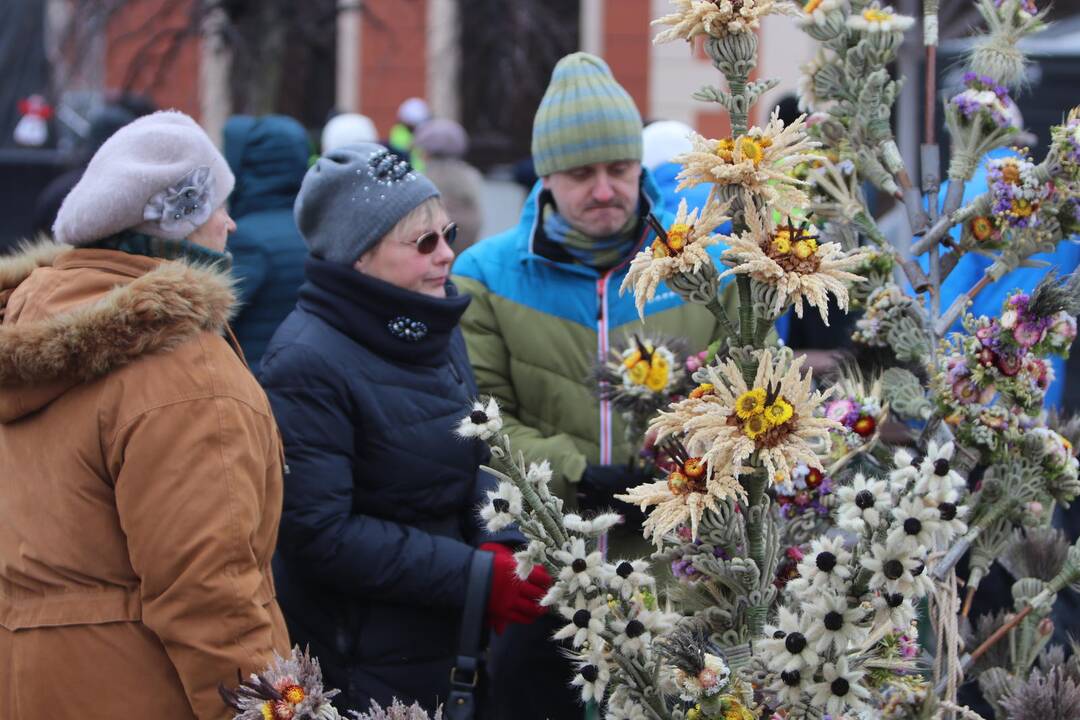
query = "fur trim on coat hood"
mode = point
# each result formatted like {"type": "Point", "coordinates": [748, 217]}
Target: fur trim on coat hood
{"type": "Point", "coordinates": [156, 311]}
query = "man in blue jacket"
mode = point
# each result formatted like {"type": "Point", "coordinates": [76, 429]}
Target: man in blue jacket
{"type": "Point", "coordinates": [269, 156]}
{"type": "Point", "coordinates": [546, 305]}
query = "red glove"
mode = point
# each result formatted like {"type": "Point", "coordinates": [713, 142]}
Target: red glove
{"type": "Point", "coordinates": [511, 599]}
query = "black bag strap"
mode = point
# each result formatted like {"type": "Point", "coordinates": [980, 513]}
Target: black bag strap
{"type": "Point", "coordinates": [465, 673]}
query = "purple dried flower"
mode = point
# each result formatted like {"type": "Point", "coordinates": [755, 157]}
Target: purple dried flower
{"type": "Point", "coordinates": [842, 411]}
{"type": "Point", "coordinates": [1027, 6]}
{"type": "Point", "coordinates": [1028, 334]}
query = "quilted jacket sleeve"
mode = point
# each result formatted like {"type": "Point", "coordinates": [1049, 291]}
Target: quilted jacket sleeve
{"type": "Point", "coordinates": [321, 530]}
{"type": "Point", "coordinates": [491, 363]}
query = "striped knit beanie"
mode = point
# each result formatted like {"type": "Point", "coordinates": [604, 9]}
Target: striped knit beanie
{"type": "Point", "coordinates": [585, 117]}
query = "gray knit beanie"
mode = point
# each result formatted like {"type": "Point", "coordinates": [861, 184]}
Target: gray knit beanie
{"type": "Point", "coordinates": [352, 197]}
{"type": "Point", "coordinates": [160, 175]}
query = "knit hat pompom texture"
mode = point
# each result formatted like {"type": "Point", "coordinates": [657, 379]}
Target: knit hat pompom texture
{"type": "Point", "coordinates": [352, 197]}
{"type": "Point", "coordinates": [160, 175]}
{"type": "Point", "coordinates": [585, 117]}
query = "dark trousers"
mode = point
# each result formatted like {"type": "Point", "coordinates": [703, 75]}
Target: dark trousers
{"type": "Point", "coordinates": [530, 678]}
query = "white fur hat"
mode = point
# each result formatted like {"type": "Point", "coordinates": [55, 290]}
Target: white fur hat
{"type": "Point", "coordinates": [414, 111]}
{"type": "Point", "coordinates": [348, 129]}
{"type": "Point", "coordinates": [663, 140]}
{"type": "Point", "coordinates": [160, 175]}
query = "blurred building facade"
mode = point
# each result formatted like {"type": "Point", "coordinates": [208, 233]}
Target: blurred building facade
{"type": "Point", "coordinates": [389, 50]}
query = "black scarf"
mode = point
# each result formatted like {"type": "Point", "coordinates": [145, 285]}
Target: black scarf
{"type": "Point", "coordinates": [395, 323]}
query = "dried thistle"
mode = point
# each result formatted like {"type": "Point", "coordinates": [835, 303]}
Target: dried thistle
{"type": "Point", "coordinates": [396, 711]}
{"type": "Point", "coordinates": [1043, 696]}
{"type": "Point", "coordinates": [683, 648]}
{"type": "Point", "coordinates": [290, 688]}
{"type": "Point", "coordinates": [996, 54]}
{"type": "Point", "coordinates": [1052, 296]}
{"type": "Point", "coordinates": [1038, 552]}
{"type": "Point", "coordinates": [974, 634]}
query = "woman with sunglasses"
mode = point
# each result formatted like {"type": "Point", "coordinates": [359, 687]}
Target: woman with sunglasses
{"type": "Point", "coordinates": [382, 559]}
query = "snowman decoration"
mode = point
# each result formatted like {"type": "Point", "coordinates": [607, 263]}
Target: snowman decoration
{"type": "Point", "coordinates": [32, 130]}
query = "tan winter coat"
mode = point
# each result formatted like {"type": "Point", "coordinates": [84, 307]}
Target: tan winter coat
{"type": "Point", "coordinates": [140, 491]}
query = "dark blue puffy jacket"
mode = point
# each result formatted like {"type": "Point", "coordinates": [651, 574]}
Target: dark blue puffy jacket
{"type": "Point", "coordinates": [379, 524]}
{"type": "Point", "coordinates": [268, 155]}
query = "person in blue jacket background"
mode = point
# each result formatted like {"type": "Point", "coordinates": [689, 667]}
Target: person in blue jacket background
{"type": "Point", "coordinates": [269, 156]}
{"type": "Point", "coordinates": [1064, 259]}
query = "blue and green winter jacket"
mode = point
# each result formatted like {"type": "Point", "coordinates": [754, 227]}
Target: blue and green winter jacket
{"type": "Point", "coordinates": [536, 326]}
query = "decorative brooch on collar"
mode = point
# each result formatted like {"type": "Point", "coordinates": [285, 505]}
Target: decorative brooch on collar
{"type": "Point", "coordinates": [407, 329]}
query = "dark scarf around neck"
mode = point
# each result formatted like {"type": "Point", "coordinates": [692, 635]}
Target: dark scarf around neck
{"type": "Point", "coordinates": [395, 323]}
{"type": "Point", "coordinates": [135, 243]}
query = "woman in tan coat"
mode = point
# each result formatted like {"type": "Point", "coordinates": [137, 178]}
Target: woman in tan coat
{"type": "Point", "coordinates": [140, 467]}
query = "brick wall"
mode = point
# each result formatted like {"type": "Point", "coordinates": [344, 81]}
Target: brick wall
{"type": "Point", "coordinates": [138, 55]}
{"type": "Point", "coordinates": [627, 44]}
{"type": "Point", "coordinates": [393, 58]}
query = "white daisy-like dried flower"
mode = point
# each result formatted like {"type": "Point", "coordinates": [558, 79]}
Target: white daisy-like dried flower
{"type": "Point", "coordinates": [538, 473]}
{"type": "Point", "coordinates": [770, 424]}
{"type": "Point", "coordinates": [905, 470]}
{"type": "Point", "coordinates": [555, 594]}
{"type": "Point", "coordinates": [841, 690]}
{"type": "Point", "coordinates": [824, 567]}
{"type": "Point", "coordinates": [893, 609]}
{"type": "Point", "coordinates": [620, 707]}
{"type": "Point", "coordinates": [503, 506]}
{"type": "Point", "coordinates": [936, 470]}
{"type": "Point", "coordinates": [789, 258]}
{"type": "Point", "coordinates": [914, 525]}
{"type": "Point", "coordinates": [893, 569]}
{"type": "Point", "coordinates": [593, 675]}
{"type": "Point", "coordinates": [594, 526]}
{"type": "Point", "coordinates": [951, 516]}
{"type": "Point", "coordinates": [635, 634]}
{"type": "Point", "coordinates": [877, 19]}
{"type": "Point", "coordinates": [863, 503]}
{"type": "Point", "coordinates": [580, 568]}
{"type": "Point", "coordinates": [715, 18]}
{"type": "Point", "coordinates": [680, 249]}
{"type": "Point", "coordinates": [528, 558]}
{"type": "Point", "coordinates": [832, 623]}
{"type": "Point", "coordinates": [626, 577]}
{"type": "Point", "coordinates": [761, 161]}
{"type": "Point", "coordinates": [788, 686]}
{"type": "Point", "coordinates": [482, 422]}
{"type": "Point", "coordinates": [784, 647]}
{"type": "Point", "coordinates": [924, 584]}
{"type": "Point", "coordinates": [585, 621]}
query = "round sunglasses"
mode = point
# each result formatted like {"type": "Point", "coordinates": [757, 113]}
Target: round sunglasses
{"type": "Point", "coordinates": [426, 243]}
